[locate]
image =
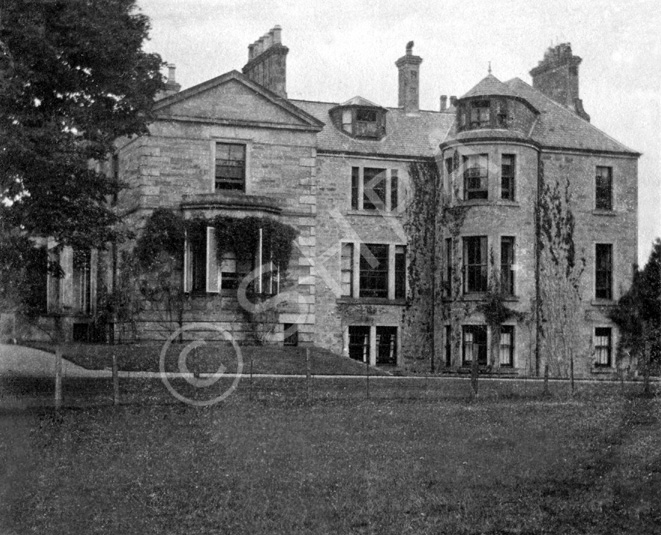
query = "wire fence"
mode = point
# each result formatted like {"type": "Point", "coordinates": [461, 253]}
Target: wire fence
{"type": "Point", "coordinates": [122, 388]}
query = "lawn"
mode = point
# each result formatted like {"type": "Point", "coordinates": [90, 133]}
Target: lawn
{"type": "Point", "coordinates": [512, 462]}
{"type": "Point", "coordinates": [145, 356]}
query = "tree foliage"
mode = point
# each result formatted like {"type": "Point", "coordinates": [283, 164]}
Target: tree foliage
{"type": "Point", "coordinates": [73, 79]}
{"type": "Point", "coordinates": [638, 312]}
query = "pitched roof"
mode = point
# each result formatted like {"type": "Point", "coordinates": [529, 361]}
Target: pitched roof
{"type": "Point", "coordinates": [488, 87]}
{"type": "Point", "coordinates": [416, 135]}
{"type": "Point", "coordinates": [266, 95]}
{"type": "Point", "coordinates": [360, 101]}
{"type": "Point", "coordinates": [558, 126]}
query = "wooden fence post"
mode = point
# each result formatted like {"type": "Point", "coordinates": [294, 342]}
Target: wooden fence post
{"type": "Point", "coordinates": [58, 378]}
{"type": "Point", "coordinates": [307, 372]}
{"type": "Point", "coordinates": [115, 380]}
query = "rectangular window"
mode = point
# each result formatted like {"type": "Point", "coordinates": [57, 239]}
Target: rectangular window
{"type": "Point", "coordinates": [346, 269]}
{"type": "Point", "coordinates": [604, 188]}
{"type": "Point", "coordinates": [290, 334]}
{"type": "Point", "coordinates": [507, 265]}
{"type": "Point", "coordinates": [374, 189]}
{"type": "Point", "coordinates": [507, 177]}
{"type": "Point", "coordinates": [386, 346]}
{"type": "Point", "coordinates": [475, 264]}
{"type": "Point", "coordinates": [373, 270]}
{"type": "Point", "coordinates": [229, 276]}
{"type": "Point", "coordinates": [394, 190]}
{"type": "Point", "coordinates": [474, 344]}
{"type": "Point", "coordinates": [476, 177]}
{"type": "Point", "coordinates": [480, 114]}
{"type": "Point", "coordinates": [604, 271]}
{"type": "Point", "coordinates": [359, 343]}
{"type": "Point", "coordinates": [400, 272]}
{"type": "Point", "coordinates": [448, 345]}
{"type": "Point", "coordinates": [198, 249]}
{"type": "Point", "coordinates": [366, 123]}
{"type": "Point", "coordinates": [507, 345]}
{"type": "Point", "coordinates": [230, 166]}
{"type": "Point", "coordinates": [603, 346]}
{"type": "Point", "coordinates": [448, 266]}
{"type": "Point", "coordinates": [355, 188]}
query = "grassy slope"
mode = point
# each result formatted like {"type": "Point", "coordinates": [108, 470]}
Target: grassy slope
{"type": "Point", "coordinates": [503, 466]}
{"type": "Point", "coordinates": [207, 358]}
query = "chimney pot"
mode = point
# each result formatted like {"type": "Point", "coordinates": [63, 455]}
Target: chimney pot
{"type": "Point", "coordinates": [453, 100]}
{"type": "Point", "coordinates": [277, 34]}
{"type": "Point", "coordinates": [251, 51]}
{"type": "Point", "coordinates": [267, 41]}
{"type": "Point", "coordinates": [171, 70]}
{"type": "Point", "coordinates": [444, 102]}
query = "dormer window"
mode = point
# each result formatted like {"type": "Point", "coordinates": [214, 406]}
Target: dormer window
{"type": "Point", "coordinates": [480, 114]}
{"type": "Point", "coordinates": [360, 118]}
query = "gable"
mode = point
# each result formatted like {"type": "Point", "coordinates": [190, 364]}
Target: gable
{"type": "Point", "coordinates": [232, 100]}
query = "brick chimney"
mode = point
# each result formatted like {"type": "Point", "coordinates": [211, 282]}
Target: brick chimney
{"type": "Point", "coordinates": [409, 83]}
{"type": "Point", "coordinates": [557, 77]}
{"type": "Point", "coordinates": [267, 62]}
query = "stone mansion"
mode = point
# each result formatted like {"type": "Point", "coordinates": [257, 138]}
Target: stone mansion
{"type": "Point", "coordinates": [339, 173]}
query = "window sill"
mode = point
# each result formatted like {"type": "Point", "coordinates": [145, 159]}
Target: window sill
{"type": "Point", "coordinates": [370, 301]}
{"type": "Point", "coordinates": [603, 303]}
{"type": "Point", "coordinates": [604, 213]}
{"type": "Point", "coordinates": [374, 213]}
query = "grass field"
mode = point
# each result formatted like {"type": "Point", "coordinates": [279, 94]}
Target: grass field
{"type": "Point", "coordinates": [512, 462]}
{"type": "Point", "coordinates": [145, 356]}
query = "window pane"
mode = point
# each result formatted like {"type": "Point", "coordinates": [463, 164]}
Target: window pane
{"type": "Point", "coordinates": [373, 270]}
{"type": "Point", "coordinates": [507, 345]}
{"type": "Point", "coordinates": [394, 190]}
{"type": "Point", "coordinates": [355, 179]}
{"type": "Point", "coordinates": [507, 177]}
{"type": "Point", "coordinates": [604, 271]}
{"type": "Point", "coordinates": [386, 346]}
{"type": "Point", "coordinates": [604, 188]}
{"type": "Point", "coordinates": [602, 346]}
{"type": "Point", "coordinates": [475, 264]}
{"type": "Point", "coordinates": [374, 189]}
{"type": "Point", "coordinates": [476, 176]}
{"type": "Point", "coordinates": [506, 265]}
{"type": "Point", "coordinates": [230, 166]}
{"type": "Point", "coordinates": [347, 269]}
{"type": "Point", "coordinates": [359, 343]}
{"type": "Point", "coordinates": [475, 344]}
{"type": "Point", "coordinates": [400, 272]}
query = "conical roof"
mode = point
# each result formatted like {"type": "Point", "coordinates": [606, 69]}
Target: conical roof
{"type": "Point", "coordinates": [489, 87]}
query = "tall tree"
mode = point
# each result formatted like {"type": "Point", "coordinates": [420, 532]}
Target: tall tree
{"type": "Point", "coordinates": [638, 316]}
{"type": "Point", "coordinates": [73, 78]}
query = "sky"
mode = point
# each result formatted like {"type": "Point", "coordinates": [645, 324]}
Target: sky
{"type": "Point", "coordinates": [342, 48]}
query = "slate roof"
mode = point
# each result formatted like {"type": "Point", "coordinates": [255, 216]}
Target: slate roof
{"type": "Point", "coordinates": [488, 87]}
{"type": "Point", "coordinates": [560, 127]}
{"type": "Point", "coordinates": [360, 101]}
{"type": "Point", "coordinates": [406, 135]}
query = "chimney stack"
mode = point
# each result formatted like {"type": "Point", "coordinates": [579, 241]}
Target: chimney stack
{"type": "Point", "coordinates": [171, 86]}
{"type": "Point", "coordinates": [557, 77]}
{"type": "Point", "coordinates": [267, 62]}
{"type": "Point", "coordinates": [444, 102]}
{"type": "Point", "coordinates": [409, 84]}
{"type": "Point", "coordinates": [453, 100]}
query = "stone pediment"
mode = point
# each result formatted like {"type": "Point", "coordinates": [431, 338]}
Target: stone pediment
{"type": "Point", "coordinates": [234, 99]}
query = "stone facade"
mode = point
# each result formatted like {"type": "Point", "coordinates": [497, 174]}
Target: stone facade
{"type": "Point", "coordinates": [339, 175]}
